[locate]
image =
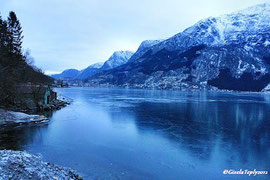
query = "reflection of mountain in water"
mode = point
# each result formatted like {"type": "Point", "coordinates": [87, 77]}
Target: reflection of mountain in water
{"type": "Point", "coordinates": [200, 126]}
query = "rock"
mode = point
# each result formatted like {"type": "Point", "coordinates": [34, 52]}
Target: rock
{"type": "Point", "coordinates": [19, 118]}
{"type": "Point", "coordinates": [22, 165]}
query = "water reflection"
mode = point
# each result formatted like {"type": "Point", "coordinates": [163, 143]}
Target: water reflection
{"type": "Point", "coordinates": [18, 137]}
{"type": "Point", "coordinates": [199, 126]}
{"type": "Point", "coordinates": [133, 134]}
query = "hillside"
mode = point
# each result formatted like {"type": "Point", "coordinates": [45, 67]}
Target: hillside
{"type": "Point", "coordinates": [66, 74]}
{"type": "Point", "coordinates": [14, 67]}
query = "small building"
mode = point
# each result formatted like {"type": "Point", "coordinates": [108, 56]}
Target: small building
{"type": "Point", "coordinates": [32, 97]}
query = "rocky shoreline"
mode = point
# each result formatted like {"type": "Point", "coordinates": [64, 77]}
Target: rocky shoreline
{"type": "Point", "coordinates": [11, 118]}
{"type": "Point", "coordinates": [55, 105]}
{"type": "Point", "coordinates": [20, 116]}
{"type": "Point", "coordinates": [22, 165]}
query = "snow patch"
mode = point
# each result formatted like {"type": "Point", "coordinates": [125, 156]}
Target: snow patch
{"type": "Point", "coordinates": [22, 165]}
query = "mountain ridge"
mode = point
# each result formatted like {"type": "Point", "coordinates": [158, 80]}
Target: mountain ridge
{"type": "Point", "coordinates": [118, 58]}
{"type": "Point", "coordinates": [191, 59]}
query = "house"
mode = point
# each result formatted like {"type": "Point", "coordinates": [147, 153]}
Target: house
{"type": "Point", "coordinates": [33, 97]}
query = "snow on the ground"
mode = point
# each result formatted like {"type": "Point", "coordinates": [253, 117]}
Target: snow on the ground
{"type": "Point", "coordinates": [11, 117]}
{"type": "Point", "coordinates": [22, 165]}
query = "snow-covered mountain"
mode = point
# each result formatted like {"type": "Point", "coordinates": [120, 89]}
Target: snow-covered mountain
{"type": "Point", "coordinates": [117, 59]}
{"type": "Point", "coordinates": [143, 48]}
{"type": "Point", "coordinates": [237, 27]}
{"type": "Point", "coordinates": [229, 52]}
{"type": "Point", "coordinates": [89, 71]}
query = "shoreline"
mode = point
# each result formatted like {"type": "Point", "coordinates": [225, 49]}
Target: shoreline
{"type": "Point", "coordinates": [19, 116]}
{"type": "Point", "coordinates": [21, 164]}
{"type": "Point", "coordinates": [14, 118]}
{"type": "Point", "coordinates": [176, 90]}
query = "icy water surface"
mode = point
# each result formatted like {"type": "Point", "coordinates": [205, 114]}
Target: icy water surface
{"type": "Point", "coordinates": [150, 134]}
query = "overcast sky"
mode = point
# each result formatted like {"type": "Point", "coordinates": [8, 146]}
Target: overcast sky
{"type": "Point", "coordinates": [64, 34]}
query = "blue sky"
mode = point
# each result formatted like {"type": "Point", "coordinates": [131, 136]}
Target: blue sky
{"type": "Point", "coordinates": [64, 34]}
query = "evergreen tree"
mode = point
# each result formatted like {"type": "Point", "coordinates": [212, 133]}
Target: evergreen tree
{"type": "Point", "coordinates": [5, 41]}
{"type": "Point", "coordinates": [3, 34]}
{"type": "Point", "coordinates": [15, 30]}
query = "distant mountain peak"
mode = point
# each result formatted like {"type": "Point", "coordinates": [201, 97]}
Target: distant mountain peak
{"type": "Point", "coordinates": [149, 43]}
{"type": "Point", "coordinates": [120, 53]}
{"type": "Point", "coordinates": [66, 74]}
{"type": "Point", "coordinates": [97, 65]}
{"type": "Point", "coordinates": [117, 59]}
{"type": "Point", "coordinates": [144, 46]}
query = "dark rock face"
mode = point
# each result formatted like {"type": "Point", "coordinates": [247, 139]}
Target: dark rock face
{"type": "Point", "coordinates": [198, 57]}
{"type": "Point", "coordinates": [246, 82]}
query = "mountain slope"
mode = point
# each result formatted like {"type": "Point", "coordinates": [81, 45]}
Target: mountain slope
{"type": "Point", "coordinates": [89, 71]}
{"type": "Point", "coordinates": [117, 59]}
{"type": "Point", "coordinates": [143, 48]}
{"type": "Point", "coordinates": [66, 74]}
{"type": "Point", "coordinates": [213, 52]}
